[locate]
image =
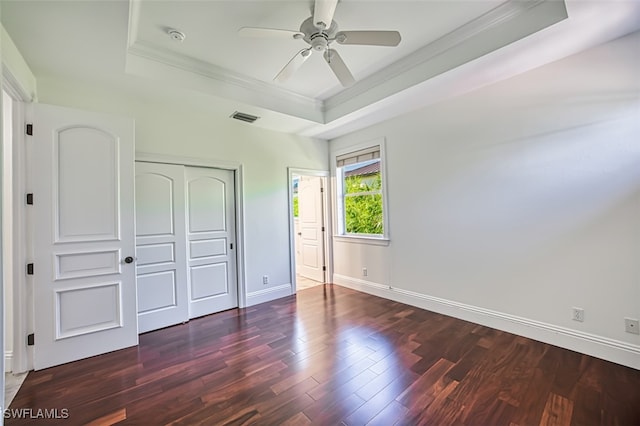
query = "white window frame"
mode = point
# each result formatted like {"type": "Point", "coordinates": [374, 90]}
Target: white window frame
{"type": "Point", "coordinates": [340, 232]}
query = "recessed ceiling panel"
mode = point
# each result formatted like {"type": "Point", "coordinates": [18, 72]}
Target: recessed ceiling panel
{"type": "Point", "coordinates": [211, 29]}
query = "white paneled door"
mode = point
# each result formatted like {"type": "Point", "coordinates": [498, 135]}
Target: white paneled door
{"type": "Point", "coordinates": [83, 233]}
{"type": "Point", "coordinates": [211, 232]}
{"type": "Point", "coordinates": [160, 246]}
{"type": "Point", "coordinates": [185, 243]}
{"type": "Point", "coordinates": [311, 228]}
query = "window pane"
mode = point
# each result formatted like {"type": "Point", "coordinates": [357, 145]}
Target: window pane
{"type": "Point", "coordinates": [360, 203]}
{"type": "Point", "coordinates": [363, 214]}
{"type": "Point", "coordinates": [362, 177]}
{"type": "Point", "coordinates": [356, 184]}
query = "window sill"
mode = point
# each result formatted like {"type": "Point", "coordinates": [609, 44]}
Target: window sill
{"type": "Point", "coordinates": [357, 239]}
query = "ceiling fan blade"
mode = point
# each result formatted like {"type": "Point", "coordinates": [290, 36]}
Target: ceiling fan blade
{"type": "Point", "coordinates": [323, 11]}
{"type": "Point", "coordinates": [339, 68]}
{"type": "Point", "coordinates": [370, 38]}
{"type": "Point", "coordinates": [293, 65]}
{"type": "Point", "coordinates": [271, 33]}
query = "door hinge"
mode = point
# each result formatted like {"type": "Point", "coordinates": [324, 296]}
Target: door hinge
{"type": "Point", "coordinates": [31, 338]}
{"type": "Point", "coordinates": [29, 129]}
{"type": "Point", "coordinates": [323, 229]}
{"type": "Point", "coordinates": [231, 246]}
{"type": "Point", "coordinates": [30, 199]}
{"type": "Point", "coordinates": [321, 189]}
{"type": "Point", "coordinates": [324, 268]}
{"type": "Point", "coordinates": [29, 268]}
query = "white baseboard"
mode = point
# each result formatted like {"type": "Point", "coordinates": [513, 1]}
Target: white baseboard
{"type": "Point", "coordinates": [268, 294]}
{"type": "Point", "coordinates": [600, 347]}
{"type": "Point", "coordinates": [8, 361]}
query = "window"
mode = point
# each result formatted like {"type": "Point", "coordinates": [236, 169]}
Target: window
{"type": "Point", "coordinates": [360, 193]}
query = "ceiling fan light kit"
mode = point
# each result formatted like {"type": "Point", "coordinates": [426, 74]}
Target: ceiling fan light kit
{"type": "Point", "coordinates": [319, 31]}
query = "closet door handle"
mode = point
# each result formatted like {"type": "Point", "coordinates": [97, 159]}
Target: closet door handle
{"type": "Point", "coordinates": [128, 259]}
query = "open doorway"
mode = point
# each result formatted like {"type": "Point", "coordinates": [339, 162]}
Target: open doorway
{"type": "Point", "coordinates": [309, 228]}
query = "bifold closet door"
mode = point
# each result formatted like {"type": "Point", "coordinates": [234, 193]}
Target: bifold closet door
{"type": "Point", "coordinates": [211, 233]}
{"type": "Point", "coordinates": [160, 246]}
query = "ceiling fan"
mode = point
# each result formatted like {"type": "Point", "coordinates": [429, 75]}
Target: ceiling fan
{"type": "Point", "coordinates": [319, 31]}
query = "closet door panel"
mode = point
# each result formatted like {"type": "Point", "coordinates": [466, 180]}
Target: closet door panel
{"type": "Point", "coordinates": [161, 270]}
{"type": "Point", "coordinates": [211, 234]}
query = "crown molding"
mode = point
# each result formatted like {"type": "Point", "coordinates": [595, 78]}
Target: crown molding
{"type": "Point", "coordinates": [143, 60]}
{"type": "Point", "coordinates": [503, 25]}
{"type": "Point", "coordinates": [217, 73]}
{"type": "Point", "coordinates": [150, 61]}
{"type": "Point", "coordinates": [490, 19]}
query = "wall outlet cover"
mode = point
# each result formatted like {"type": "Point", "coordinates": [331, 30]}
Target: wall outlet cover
{"type": "Point", "coordinates": [578, 314]}
{"type": "Point", "coordinates": [632, 326]}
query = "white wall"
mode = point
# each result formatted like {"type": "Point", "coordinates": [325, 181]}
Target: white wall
{"type": "Point", "coordinates": [177, 123]}
{"type": "Point", "coordinates": [17, 69]}
{"type": "Point", "coordinates": [512, 204]}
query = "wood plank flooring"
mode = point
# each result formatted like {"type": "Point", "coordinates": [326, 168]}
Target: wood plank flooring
{"type": "Point", "coordinates": [333, 356]}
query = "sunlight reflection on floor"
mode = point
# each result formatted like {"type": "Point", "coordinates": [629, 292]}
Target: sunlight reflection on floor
{"type": "Point", "coordinates": [302, 283]}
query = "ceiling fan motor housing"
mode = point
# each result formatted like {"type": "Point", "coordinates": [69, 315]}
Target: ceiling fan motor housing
{"type": "Point", "coordinates": [319, 42]}
{"type": "Point", "coordinates": [318, 39]}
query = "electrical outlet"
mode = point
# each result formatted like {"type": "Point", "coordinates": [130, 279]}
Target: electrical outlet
{"type": "Point", "coordinates": [265, 279]}
{"type": "Point", "coordinates": [631, 326]}
{"type": "Point", "coordinates": [578, 314]}
{"type": "Point", "coordinates": [364, 272]}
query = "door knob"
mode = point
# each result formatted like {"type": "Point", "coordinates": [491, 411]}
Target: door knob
{"type": "Point", "coordinates": [128, 259]}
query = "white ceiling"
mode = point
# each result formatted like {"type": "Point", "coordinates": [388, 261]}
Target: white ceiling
{"type": "Point", "coordinates": [448, 47]}
{"type": "Point", "coordinates": [211, 28]}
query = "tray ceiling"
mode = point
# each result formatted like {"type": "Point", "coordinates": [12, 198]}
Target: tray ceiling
{"type": "Point", "coordinates": [447, 48]}
{"type": "Point", "coordinates": [436, 36]}
{"type": "Point", "coordinates": [211, 29]}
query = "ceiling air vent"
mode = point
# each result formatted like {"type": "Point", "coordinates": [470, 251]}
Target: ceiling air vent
{"type": "Point", "coordinates": [248, 118]}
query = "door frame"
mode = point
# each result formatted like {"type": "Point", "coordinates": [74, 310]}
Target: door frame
{"type": "Point", "coordinates": [238, 169]}
{"type": "Point", "coordinates": [22, 321]}
{"type": "Point", "coordinates": [326, 219]}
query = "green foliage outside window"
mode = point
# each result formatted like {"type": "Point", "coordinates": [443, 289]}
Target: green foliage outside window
{"type": "Point", "coordinates": [363, 204]}
{"type": "Point", "coordinates": [295, 206]}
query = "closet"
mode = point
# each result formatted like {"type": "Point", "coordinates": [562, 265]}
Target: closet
{"type": "Point", "coordinates": [185, 239]}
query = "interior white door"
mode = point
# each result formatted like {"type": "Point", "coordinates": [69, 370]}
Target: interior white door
{"type": "Point", "coordinates": [83, 234]}
{"type": "Point", "coordinates": [161, 266]}
{"type": "Point", "coordinates": [311, 228]}
{"type": "Point", "coordinates": [211, 240]}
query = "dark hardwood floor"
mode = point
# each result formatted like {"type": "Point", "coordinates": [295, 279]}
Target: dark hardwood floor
{"type": "Point", "coordinates": [333, 356]}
